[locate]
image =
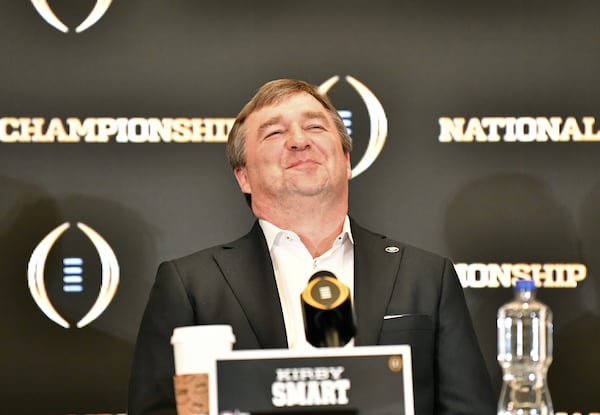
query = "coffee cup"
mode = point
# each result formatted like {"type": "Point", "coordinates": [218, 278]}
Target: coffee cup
{"type": "Point", "coordinates": [195, 350]}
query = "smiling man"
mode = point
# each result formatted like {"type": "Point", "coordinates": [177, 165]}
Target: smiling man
{"type": "Point", "coordinates": [289, 151]}
{"type": "Point", "coordinates": [296, 169]}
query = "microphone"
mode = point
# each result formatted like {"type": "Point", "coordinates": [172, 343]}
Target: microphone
{"type": "Point", "coordinates": [327, 311]}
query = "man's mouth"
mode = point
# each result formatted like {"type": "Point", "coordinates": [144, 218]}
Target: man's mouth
{"type": "Point", "coordinates": [300, 163]}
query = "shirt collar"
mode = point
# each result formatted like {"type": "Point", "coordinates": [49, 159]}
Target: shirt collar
{"type": "Point", "coordinates": [272, 232]}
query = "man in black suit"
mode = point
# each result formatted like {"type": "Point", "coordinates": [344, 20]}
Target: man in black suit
{"type": "Point", "coordinates": [289, 151]}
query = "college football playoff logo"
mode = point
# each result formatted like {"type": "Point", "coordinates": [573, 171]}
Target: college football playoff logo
{"type": "Point", "coordinates": [377, 119]}
{"type": "Point", "coordinates": [72, 279]}
{"type": "Point", "coordinates": [44, 9]}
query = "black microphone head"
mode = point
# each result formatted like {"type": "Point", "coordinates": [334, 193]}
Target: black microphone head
{"type": "Point", "coordinates": [327, 311]}
{"type": "Point", "coordinates": [322, 273]}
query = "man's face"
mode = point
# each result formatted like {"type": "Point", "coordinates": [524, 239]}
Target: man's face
{"type": "Point", "coordinates": [293, 149]}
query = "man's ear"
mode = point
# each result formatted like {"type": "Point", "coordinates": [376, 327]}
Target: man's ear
{"type": "Point", "coordinates": [241, 175]}
{"type": "Point", "coordinates": [348, 166]}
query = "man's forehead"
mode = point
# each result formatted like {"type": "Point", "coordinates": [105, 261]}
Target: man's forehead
{"type": "Point", "coordinates": [307, 106]}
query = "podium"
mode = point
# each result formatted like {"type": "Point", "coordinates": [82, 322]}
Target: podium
{"type": "Point", "coordinates": [370, 380]}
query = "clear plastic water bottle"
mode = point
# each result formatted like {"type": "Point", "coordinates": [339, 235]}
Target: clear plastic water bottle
{"type": "Point", "coordinates": [525, 353]}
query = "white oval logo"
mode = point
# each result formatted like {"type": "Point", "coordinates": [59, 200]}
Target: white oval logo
{"type": "Point", "coordinates": [377, 117]}
{"type": "Point", "coordinates": [44, 9]}
{"type": "Point", "coordinates": [72, 278]}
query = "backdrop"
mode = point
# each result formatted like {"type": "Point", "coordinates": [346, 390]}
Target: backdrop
{"type": "Point", "coordinates": [474, 126]}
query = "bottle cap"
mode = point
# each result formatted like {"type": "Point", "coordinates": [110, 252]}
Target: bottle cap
{"type": "Point", "coordinates": [525, 285]}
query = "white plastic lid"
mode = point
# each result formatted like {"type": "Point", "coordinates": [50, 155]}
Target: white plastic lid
{"type": "Point", "coordinates": [203, 333]}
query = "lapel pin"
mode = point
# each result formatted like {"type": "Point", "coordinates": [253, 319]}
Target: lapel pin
{"type": "Point", "coordinates": [392, 249]}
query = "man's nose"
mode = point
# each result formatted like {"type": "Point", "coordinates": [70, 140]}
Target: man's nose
{"type": "Point", "coordinates": [298, 139]}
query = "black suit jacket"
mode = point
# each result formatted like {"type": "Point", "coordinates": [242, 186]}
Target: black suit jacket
{"type": "Point", "coordinates": [401, 296]}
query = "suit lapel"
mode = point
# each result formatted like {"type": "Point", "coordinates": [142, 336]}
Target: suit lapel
{"type": "Point", "coordinates": [375, 270]}
{"type": "Point", "coordinates": [246, 265]}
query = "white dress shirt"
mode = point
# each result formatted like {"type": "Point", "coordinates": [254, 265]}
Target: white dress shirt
{"type": "Point", "coordinates": [294, 265]}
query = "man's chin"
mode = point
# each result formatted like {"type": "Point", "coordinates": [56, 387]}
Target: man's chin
{"type": "Point", "coordinates": [309, 189]}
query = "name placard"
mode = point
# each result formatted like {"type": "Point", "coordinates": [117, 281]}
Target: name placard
{"type": "Point", "coordinates": [373, 380]}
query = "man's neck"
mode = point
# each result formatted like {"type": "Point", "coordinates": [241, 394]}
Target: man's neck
{"type": "Point", "coordinates": [316, 224]}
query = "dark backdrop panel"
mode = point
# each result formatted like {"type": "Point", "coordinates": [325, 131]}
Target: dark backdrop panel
{"type": "Point", "coordinates": [475, 202]}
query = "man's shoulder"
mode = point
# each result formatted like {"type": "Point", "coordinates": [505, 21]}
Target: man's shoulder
{"type": "Point", "coordinates": [368, 236]}
{"type": "Point", "coordinates": [252, 238]}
